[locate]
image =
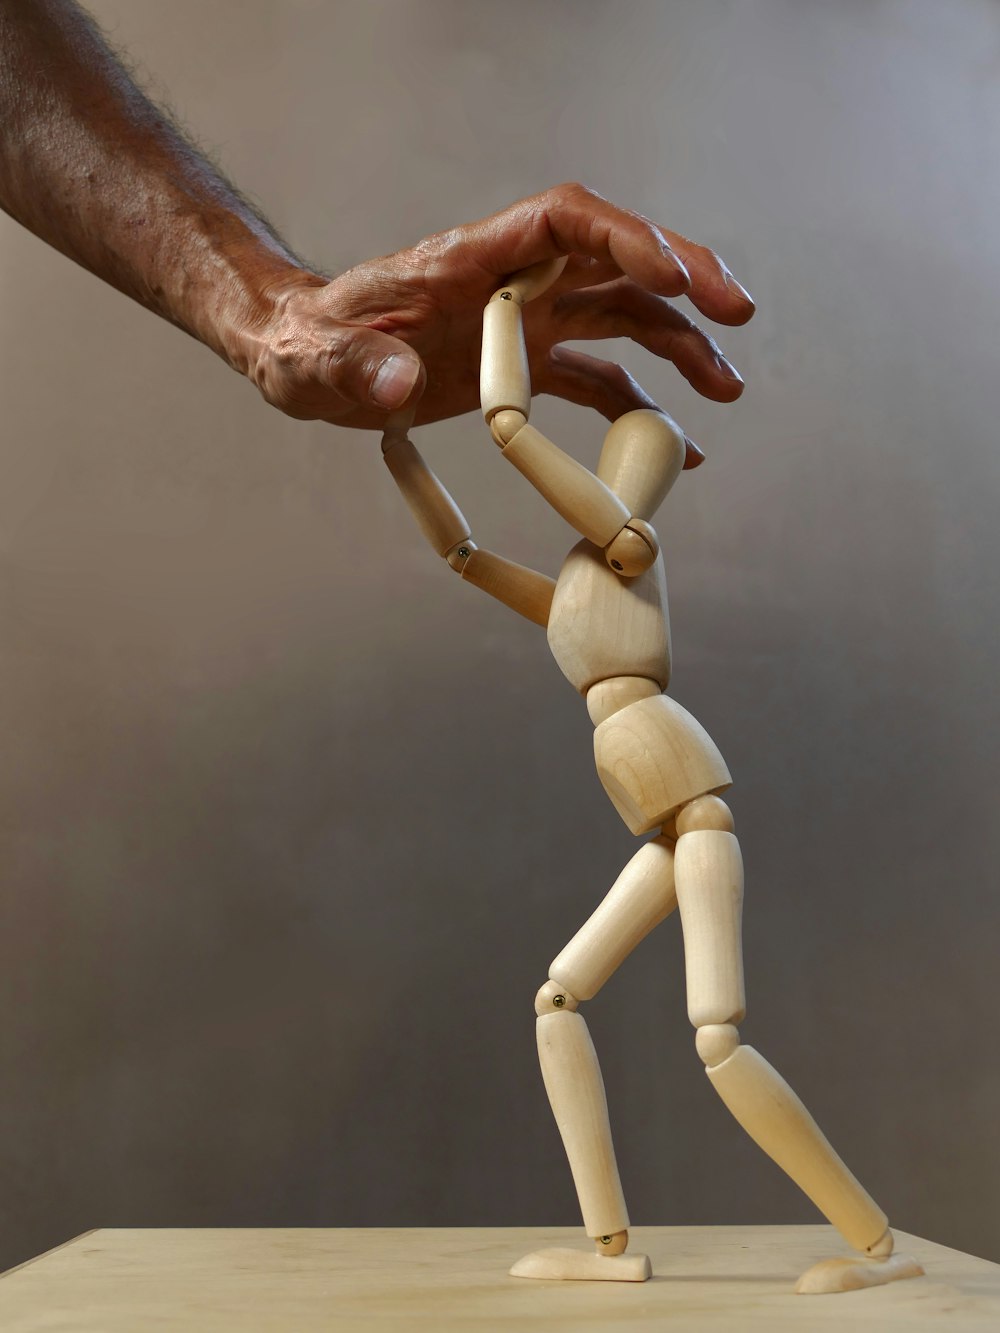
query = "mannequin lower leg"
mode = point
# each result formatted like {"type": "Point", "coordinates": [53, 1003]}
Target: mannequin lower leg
{"type": "Point", "coordinates": [640, 898]}
{"type": "Point", "coordinates": [778, 1122]}
{"type": "Point", "coordinates": [576, 1093]}
{"type": "Point", "coordinates": [709, 884]}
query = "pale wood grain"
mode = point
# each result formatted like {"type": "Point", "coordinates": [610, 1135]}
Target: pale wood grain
{"type": "Point", "coordinates": [504, 379]}
{"type": "Point", "coordinates": [574, 492]}
{"type": "Point", "coordinates": [523, 590]}
{"type": "Point", "coordinates": [608, 696]}
{"type": "Point", "coordinates": [441, 521]}
{"type": "Point", "coordinates": [707, 812]}
{"type": "Point", "coordinates": [778, 1122]}
{"type": "Point", "coordinates": [726, 1279]}
{"type": "Point", "coordinates": [528, 283]}
{"type": "Point", "coordinates": [505, 424]}
{"type": "Point", "coordinates": [653, 757]}
{"type": "Point", "coordinates": [852, 1274]}
{"type": "Point", "coordinates": [576, 1094]}
{"type": "Point", "coordinates": [634, 549]}
{"type": "Point", "coordinates": [640, 898]}
{"type": "Point", "coordinates": [642, 457]}
{"type": "Point", "coordinates": [708, 875]}
{"type": "Point", "coordinates": [567, 1265]}
{"type": "Point", "coordinates": [603, 626]}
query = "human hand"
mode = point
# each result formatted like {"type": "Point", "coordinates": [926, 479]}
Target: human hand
{"type": "Point", "coordinates": [406, 328]}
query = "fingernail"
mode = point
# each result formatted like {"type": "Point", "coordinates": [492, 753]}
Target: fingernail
{"type": "Point", "coordinates": [678, 264]}
{"type": "Point", "coordinates": [394, 380]}
{"type": "Point", "coordinates": [727, 368]}
{"type": "Point", "coordinates": [696, 456]}
{"type": "Point", "coordinates": [739, 290]}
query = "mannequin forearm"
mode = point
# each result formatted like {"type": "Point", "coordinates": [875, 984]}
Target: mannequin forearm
{"type": "Point", "coordinates": [94, 169]}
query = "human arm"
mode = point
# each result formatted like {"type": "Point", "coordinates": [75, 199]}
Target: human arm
{"type": "Point", "coordinates": [91, 166]}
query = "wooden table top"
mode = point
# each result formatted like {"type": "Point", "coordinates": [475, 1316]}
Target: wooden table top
{"type": "Point", "coordinates": [303, 1280]}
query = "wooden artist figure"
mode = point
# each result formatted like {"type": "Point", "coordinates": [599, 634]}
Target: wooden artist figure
{"type": "Point", "coordinates": [606, 620]}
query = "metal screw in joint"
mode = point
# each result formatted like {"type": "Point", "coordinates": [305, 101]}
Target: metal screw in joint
{"type": "Point", "coordinates": [606, 1240]}
{"type": "Point", "coordinates": [559, 1001]}
{"type": "Point", "coordinates": [463, 552]}
{"type": "Point", "coordinates": [617, 564]}
{"type": "Point", "coordinates": [506, 296]}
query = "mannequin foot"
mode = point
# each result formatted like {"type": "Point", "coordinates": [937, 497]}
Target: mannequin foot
{"type": "Point", "coordinates": [578, 1266]}
{"type": "Point", "coordinates": [851, 1274]}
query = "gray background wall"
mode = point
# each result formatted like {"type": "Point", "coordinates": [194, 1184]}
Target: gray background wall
{"type": "Point", "coordinates": [293, 821]}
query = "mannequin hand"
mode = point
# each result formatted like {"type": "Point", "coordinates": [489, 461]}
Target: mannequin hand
{"type": "Point", "coordinates": [406, 329]}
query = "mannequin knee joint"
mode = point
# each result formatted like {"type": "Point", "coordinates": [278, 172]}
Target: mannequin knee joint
{"type": "Point", "coordinates": [553, 999]}
{"type": "Point", "coordinates": [716, 1042]}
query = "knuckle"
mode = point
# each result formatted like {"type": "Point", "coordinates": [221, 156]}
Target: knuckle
{"type": "Point", "coordinates": [574, 192]}
{"type": "Point", "coordinates": [337, 352]}
{"type": "Point", "coordinates": [707, 256]}
{"type": "Point", "coordinates": [646, 222]}
{"type": "Point", "coordinates": [284, 381]}
{"type": "Point", "coordinates": [433, 247]}
{"type": "Point", "coordinates": [686, 331]}
{"type": "Point", "coordinates": [282, 396]}
{"type": "Point", "coordinates": [428, 264]}
{"type": "Point", "coordinates": [714, 258]}
{"type": "Point", "coordinates": [280, 392]}
{"type": "Point", "coordinates": [297, 411]}
{"type": "Point", "coordinates": [619, 378]}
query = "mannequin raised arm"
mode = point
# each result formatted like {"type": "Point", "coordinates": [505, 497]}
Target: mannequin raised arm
{"type": "Point", "coordinates": [446, 528]}
{"type": "Point", "coordinates": [641, 458]}
{"type": "Point", "coordinates": [583, 500]}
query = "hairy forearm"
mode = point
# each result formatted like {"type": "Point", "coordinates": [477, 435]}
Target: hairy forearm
{"type": "Point", "coordinates": [92, 167]}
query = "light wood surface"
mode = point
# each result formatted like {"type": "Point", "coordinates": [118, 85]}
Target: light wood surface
{"type": "Point", "coordinates": [574, 492]}
{"type": "Point", "coordinates": [504, 380]}
{"type": "Point", "coordinates": [642, 457]}
{"type": "Point", "coordinates": [708, 871]}
{"type": "Point", "coordinates": [604, 627]}
{"type": "Point", "coordinates": [568, 1265]}
{"type": "Point", "coordinates": [634, 549]}
{"type": "Point", "coordinates": [524, 590]}
{"type": "Point", "coordinates": [531, 282]}
{"type": "Point", "coordinates": [707, 812]}
{"type": "Point", "coordinates": [609, 696]}
{"type": "Point", "coordinates": [851, 1274]}
{"type": "Point", "coordinates": [653, 757]}
{"type": "Point", "coordinates": [776, 1120]}
{"type": "Point", "coordinates": [640, 898]}
{"type": "Point", "coordinates": [714, 1279]}
{"type": "Point", "coordinates": [441, 521]}
{"type": "Point", "coordinates": [505, 424]}
{"type": "Point", "coordinates": [576, 1094]}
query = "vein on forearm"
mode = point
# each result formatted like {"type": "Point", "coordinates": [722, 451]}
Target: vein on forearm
{"type": "Point", "coordinates": [89, 164]}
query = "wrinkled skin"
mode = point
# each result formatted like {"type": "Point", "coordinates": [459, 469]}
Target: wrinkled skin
{"type": "Point", "coordinates": [91, 166]}
{"type": "Point", "coordinates": [314, 347]}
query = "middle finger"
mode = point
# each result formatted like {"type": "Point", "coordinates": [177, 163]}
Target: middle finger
{"type": "Point", "coordinates": [621, 309]}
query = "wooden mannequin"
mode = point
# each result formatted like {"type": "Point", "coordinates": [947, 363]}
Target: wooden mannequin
{"type": "Point", "coordinates": [606, 618]}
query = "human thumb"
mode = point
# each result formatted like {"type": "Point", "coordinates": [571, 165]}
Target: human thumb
{"type": "Point", "coordinates": [375, 368]}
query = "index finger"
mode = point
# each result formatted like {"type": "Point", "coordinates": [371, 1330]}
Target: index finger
{"type": "Point", "coordinates": [572, 219]}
